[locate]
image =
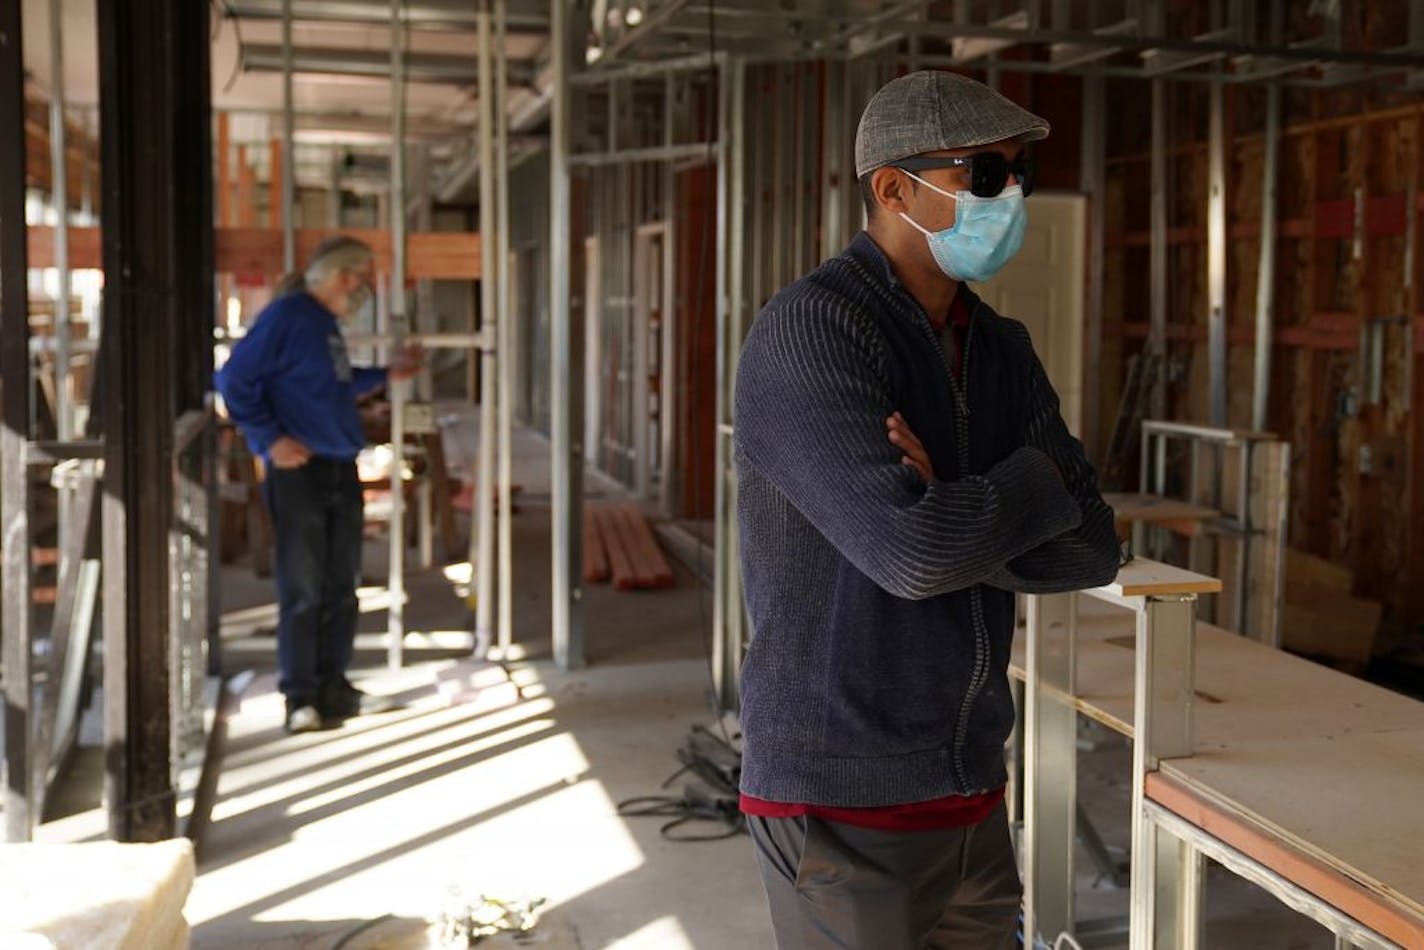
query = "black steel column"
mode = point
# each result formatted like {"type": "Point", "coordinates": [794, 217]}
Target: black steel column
{"type": "Point", "coordinates": [153, 242]}
{"type": "Point", "coordinates": [16, 616]}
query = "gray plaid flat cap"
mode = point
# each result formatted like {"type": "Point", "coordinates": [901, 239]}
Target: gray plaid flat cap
{"type": "Point", "coordinates": [928, 111]}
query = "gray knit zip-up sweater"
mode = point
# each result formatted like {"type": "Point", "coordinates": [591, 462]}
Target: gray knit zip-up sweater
{"type": "Point", "coordinates": [882, 607]}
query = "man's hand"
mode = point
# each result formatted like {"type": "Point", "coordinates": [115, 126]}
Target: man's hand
{"type": "Point", "coordinates": [906, 441]}
{"type": "Point", "coordinates": [287, 452]}
{"type": "Point", "coordinates": [409, 361]}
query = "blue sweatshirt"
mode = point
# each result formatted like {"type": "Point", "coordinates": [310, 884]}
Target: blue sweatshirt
{"type": "Point", "coordinates": [881, 607]}
{"type": "Point", "coordinates": [290, 376]}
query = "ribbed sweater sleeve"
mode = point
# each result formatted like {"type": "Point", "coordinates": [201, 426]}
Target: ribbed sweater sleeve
{"type": "Point", "coordinates": [812, 398]}
{"type": "Point", "coordinates": [1086, 556]}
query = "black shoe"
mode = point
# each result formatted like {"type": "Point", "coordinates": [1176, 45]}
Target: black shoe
{"type": "Point", "coordinates": [340, 700]}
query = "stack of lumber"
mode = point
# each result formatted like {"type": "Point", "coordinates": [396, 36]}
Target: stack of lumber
{"type": "Point", "coordinates": [618, 544]}
{"type": "Point", "coordinates": [1322, 617]}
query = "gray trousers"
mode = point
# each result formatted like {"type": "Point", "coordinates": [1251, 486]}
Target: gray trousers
{"type": "Point", "coordinates": [832, 885]}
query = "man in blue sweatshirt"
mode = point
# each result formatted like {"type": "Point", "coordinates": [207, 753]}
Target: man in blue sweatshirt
{"type": "Point", "coordinates": [903, 469]}
{"type": "Point", "coordinates": [291, 389]}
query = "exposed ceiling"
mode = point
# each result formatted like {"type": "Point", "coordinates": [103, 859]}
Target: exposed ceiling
{"type": "Point", "coordinates": [341, 52]}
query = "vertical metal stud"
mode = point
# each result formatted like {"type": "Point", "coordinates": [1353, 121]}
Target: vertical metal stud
{"type": "Point", "coordinates": [148, 57]}
{"type": "Point", "coordinates": [1216, 238]}
{"type": "Point", "coordinates": [565, 403]}
{"type": "Point", "coordinates": [727, 620]}
{"type": "Point", "coordinates": [1050, 766]}
{"type": "Point", "coordinates": [16, 613]}
{"type": "Point", "coordinates": [59, 196]}
{"type": "Point", "coordinates": [484, 482]}
{"type": "Point", "coordinates": [395, 624]}
{"type": "Point", "coordinates": [1163, 698]}
{"type": "Point", "coordinates": [1266, 270]}
{"type": "Point", "coordinates": [1093, 181]}
{"type": "Point", "coordinates": [668, 390]}
{"type": "Point", "coordinates": [1157, 334]}
{"type": "Point", "coordinates": [289, 174]}
{"type": "Point", "coordinates": [504, 343]}
{"type": "Point", "coordinates": [835, 175]}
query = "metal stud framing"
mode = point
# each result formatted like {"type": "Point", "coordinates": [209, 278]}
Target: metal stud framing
{"type": "Point", "coordinates": [564, 378]}
{"type": "Point", "coordinates": [150, 118]}
{"type": "Point", "coordinates": [16, 614]}
{"type": "Point", "coordinates": [395, 625]}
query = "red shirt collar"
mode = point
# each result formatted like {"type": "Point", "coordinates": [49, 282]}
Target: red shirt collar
{"type": "Point", "coordinates": [958, 313]}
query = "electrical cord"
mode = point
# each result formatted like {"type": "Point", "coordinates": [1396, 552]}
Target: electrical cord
{"type": "Point", "coordinates": [712, 797]}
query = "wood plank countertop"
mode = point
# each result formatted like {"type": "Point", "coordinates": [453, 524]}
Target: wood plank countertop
{"type": "Point", "coordinates": [1325, 763]}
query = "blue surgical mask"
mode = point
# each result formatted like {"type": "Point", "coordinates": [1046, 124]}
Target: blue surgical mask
{"type": "Point", "coordinates": [986, 232]}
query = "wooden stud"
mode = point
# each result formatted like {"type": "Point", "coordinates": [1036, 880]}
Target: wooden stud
{"type": "Point", "coordinates": [224, 182]}
{"type": "Point", "coordinates": [274, 184]}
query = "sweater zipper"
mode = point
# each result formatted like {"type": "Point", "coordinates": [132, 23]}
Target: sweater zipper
{"type": "Point", "coordinates": [979, 676]}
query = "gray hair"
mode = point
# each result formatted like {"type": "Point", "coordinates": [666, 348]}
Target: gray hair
{"type": "Point", "coordinates": [334, 255]}
{"type": "Point", "coordinates": [331, 257]}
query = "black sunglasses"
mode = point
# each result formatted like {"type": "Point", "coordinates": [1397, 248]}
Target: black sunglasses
{"type": "Point", "coordinates": [988, 171]}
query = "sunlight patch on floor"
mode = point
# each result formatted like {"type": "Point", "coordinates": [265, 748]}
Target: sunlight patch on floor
{"type": "Point", "coordinates": [665, 933]}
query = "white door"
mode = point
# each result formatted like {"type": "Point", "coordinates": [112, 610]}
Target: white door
{"type": "Point", "coordinates": [1043, 287]}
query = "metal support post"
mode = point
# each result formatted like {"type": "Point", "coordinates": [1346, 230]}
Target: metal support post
{"type": "Point", "coordinates": [59, 196]}
{"type": "Point", "coordinates": [1093, 158]}
{"type": "Point", "coordinates": [667, 393]}
{"type": "Point", "coordinates": [727, 618]}
{"type": "Point", "coordinates": [504, 334]}
{"type": "Point", "coordinates": [1163, 696]}
{"type": "Point", "coordinates": [151, 239]}
{"type": "Point", "coordinates": [565, 405]}
{"type": "Point", "coordinates": [837, 173]}
{"type": "Point", "coordinates": [1157, 335]}
{"type": "Point", "coordinates": [16, 612]}
{"type": "Point", "coordinates": [333, 200]}
{"type": "Point", "coordinates": [1050, 766]}
{"type": "Point", "coordinates": [1266, 271]}
{"type": "Point", "coordinates": [289, 174]}
{"type": "Point", "coordinates": [1216, 239]}
{"type": "Point", "coordinates": [395, 628]}
{"type": "Point", "coordinates": [196, 465]}
{"type": "Point", "coordinates": [484, 481]}
{"type": "Point", "coordinates": [424, 321]}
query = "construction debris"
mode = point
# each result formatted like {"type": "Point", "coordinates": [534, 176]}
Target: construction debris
{"type": "Point", "coordinates": [469, 921]}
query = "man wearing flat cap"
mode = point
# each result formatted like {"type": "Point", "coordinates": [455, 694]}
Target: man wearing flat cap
{"type": "Point", "coordinates": [903, 470]}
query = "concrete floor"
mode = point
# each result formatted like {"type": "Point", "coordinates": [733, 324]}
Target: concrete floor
{"type": "Point", "coordinates": [356, 837]}
{"type": "Point", "coordinates": [316, 839]}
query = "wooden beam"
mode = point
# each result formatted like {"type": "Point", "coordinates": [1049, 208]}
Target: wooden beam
{"type": "Point", "coordinates": [436, 255]}
{"type": "Point", "coordinates": [224, 182]}
{"type": "Point", "coordinates": [274, 185]}
{"type": "Point", "coordinates": [246, 191]}
{"type": "Point", "coordinates": [1385, 216]}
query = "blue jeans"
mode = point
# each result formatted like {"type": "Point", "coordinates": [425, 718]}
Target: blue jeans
{"type": "Point", "coordinates": [317, 519]}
